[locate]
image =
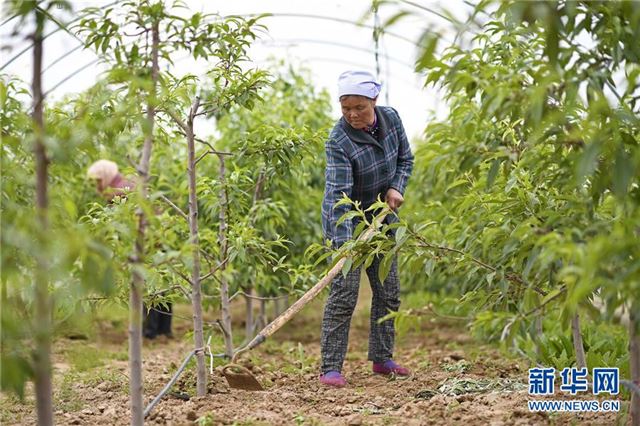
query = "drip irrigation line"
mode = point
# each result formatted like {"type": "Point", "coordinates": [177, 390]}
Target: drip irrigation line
{"type": "Point", "coordinates": [631, 386]}
{"type": "Point", "coordinates": [250, 296]}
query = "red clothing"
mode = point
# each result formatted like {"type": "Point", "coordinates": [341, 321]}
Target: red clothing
{"type": "Point", "coordinates": [119, 186]}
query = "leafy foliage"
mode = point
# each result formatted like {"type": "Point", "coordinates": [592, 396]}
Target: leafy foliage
{"type": "Point", "coordinates": [525, 200]}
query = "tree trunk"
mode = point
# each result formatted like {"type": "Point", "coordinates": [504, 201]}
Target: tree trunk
{"type": "Point", "coordinates": [538, 337]}
{"type": "Point", "coordinates": [196, 294]}
{"type": "Point", "coordinates": [578, 347]}
{"type": "Point", "coordinates": [224, 287]}
{"type": "Point", "coordinates": [263, 313]}
{"type": "Point", "coordinates": [135, 326]}
{"type": "Point", "coordinates": [279, 306]}
{"type": "Point", "coordinates": [249, 326]}
{"type": "Point", "coordinates": [43, 302]}
{"type": "Point", "coordinates": [137, 282]}
{"type": "Point", "coordinates": [634, 360]}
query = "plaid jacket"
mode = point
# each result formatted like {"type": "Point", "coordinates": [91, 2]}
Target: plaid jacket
{"type": "Point", "coordinates": [363, 168]}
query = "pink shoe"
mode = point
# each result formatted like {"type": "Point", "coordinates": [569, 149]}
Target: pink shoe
{"type": "Point", "coordinates": [390, 367]}
{"type": "Point", "coordinates": [333, 378]}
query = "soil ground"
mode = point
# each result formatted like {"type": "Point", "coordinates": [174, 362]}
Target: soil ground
{"type": "Point", "coordinates": [455, 381]}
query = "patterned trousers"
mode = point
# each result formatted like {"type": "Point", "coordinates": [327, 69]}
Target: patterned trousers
{"type": "Point", "coordinates": [339, 308]}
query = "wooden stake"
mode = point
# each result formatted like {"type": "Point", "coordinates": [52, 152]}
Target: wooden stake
{"type": "Point", "coordinates": [578, 346]}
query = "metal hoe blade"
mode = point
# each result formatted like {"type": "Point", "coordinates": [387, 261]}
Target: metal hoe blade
{"type": "Point", "coordinates": [240, 377]}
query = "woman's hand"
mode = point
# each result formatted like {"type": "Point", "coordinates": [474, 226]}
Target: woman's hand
{"type": "Point", "coordinates": [394, 199]}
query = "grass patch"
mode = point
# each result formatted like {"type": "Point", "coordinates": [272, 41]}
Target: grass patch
{"type": "Point", "coordinates": [10, 404]}
{"type": "Point", "coordinates": [117, 381]}
{"type": "Point", "coordinates": [83, 357]}
{"type": "Point", "coordinates": [67, 397]}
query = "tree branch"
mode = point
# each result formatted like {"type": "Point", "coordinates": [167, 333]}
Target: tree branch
{"type": "Point", "coordinates": [562, 290]}
{"type": "Point", "coordinates": [181, 275]}
{"type": "Point", "coordinates": [194, 109]}
{"type": "Point", "coordinates": [173, 287]}
{"type": "Point", "coordinates": [214, 270]}
{"type": "Point", "coordinates": [510, 276]}
{"type": "Point", "coordinates": [213, 150]}
{"type": "Point", "coordinates": [175, 207]}
{"type": "Point", "coordinates": [249, 296]}
{"type": "Point", "coordinates": [177, 119]}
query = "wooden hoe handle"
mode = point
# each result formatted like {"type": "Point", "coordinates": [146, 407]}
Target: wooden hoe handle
{"type": "Point", "coordinates": [281, 320]}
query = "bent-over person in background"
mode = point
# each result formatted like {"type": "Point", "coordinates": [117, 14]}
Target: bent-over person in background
{"type": "Point", "coordinates": [110, 183]}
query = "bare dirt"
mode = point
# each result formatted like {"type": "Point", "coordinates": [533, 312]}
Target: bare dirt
{"type": "Point", "coordinates": [455, 381]}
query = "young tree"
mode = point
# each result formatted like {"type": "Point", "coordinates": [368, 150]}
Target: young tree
{"type": "Point", "coordinates": [45, 249]}
{"type": "Point", "coordinates": [202, 36]}
{"type": "Point", "coordinates": [532, 183]}
{"type": "Point", "coordinates": [278, 143]}
{"type": "Point", "coordinates": [43, 301]}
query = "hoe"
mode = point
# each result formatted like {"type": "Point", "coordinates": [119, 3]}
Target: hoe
{"type": "Point", "coordinates": [240, 377]}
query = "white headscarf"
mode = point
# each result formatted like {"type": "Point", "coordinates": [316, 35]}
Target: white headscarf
{"type": "Point", "coordinates": [361, 83]}
{"type": "Point", "coordinates": [104, 170]}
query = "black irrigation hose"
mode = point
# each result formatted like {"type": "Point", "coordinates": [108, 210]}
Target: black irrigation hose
{"type": "Point", "coordinates": [173, 380]}
{"type": "Point", "coordinates": [632, 386]}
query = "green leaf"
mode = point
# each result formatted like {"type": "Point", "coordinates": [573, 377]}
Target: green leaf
{"type": "Point", "coordinates": [493, 172]}
{"type": "Point", "coordinates": [587, 163]}
{"type": "Point", "coordinates": [385, 267]}
{"type": "Point", "coordinates": [428, 45]}
{"type": "Point", "coordinates": [16, 371]}
{"type": "Point", "coordinates": [346, 267]}
{"type": "Point", "coordinates": [348, 216]}
{"type": "Point", "coordinates": [623, 172]}
{"type": "Point", "coordinates": [322, 258]}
